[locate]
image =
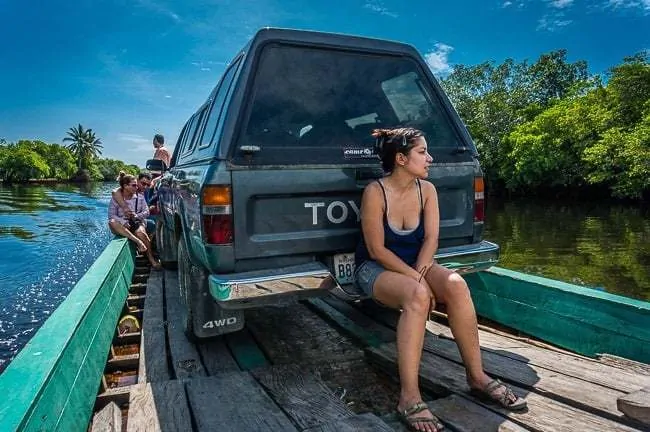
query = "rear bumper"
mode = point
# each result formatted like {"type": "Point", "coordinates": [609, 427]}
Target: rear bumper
{"type": "Point", "coordinates": [271, 287]}
{"type": "Point", "coordinates": [469, 258]}
{"type": "Point", "coordinates": [277, 286]}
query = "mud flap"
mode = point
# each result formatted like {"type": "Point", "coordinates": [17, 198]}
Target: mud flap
{"type": "Point", "coordinates": [208, 318]}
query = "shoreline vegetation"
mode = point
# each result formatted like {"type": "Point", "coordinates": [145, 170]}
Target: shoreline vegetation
{"type": "Point", "coordinates": [545, 129]}
{"type": "Point", "coordinates": [35, 161]}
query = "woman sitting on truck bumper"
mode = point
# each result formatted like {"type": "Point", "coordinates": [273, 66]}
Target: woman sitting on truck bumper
{"type": "Point", "coordinates": [395, 265]}
{"type": "Point", "coordinates": [131, 223]}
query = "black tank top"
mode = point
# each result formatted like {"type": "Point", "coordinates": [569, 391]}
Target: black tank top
{"type": "Point", "coordinates": [404, 244]}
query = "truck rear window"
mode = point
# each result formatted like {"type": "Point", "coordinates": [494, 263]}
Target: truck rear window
{"type": "Point", "coordinates": [319, 106]}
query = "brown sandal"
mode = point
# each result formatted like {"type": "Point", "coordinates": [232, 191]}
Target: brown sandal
{"type": "Point", "coordinates": [410, 422]}
{"type": "Point", "coordinates": [508, 399]}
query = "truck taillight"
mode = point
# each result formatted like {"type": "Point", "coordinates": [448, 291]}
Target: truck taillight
{"type": "Point", "coordinates": [216, 213]}
{"type": "Point", "coordinates": [479, 199]}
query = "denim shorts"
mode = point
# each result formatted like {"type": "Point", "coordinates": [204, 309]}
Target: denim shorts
{"type": "Point", "coordinates": [366, 274]}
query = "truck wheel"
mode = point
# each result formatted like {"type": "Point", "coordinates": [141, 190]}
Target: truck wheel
{"type": "Point", "coordinates": [185, 284]}
{"type": "Point", "coordinates": [163, 240]}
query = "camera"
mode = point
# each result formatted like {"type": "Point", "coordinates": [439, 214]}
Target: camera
{"type": "Point", "coordinates": [134, 223]}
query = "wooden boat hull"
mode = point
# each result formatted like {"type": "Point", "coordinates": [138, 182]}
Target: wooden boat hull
{"type": "Point", "coordinates": [580, 319]}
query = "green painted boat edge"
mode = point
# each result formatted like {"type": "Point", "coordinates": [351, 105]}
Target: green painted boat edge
{"type": "Point", "coordinates": [72, 346]}
{"type": "Point", "coordinates": [581, 319]}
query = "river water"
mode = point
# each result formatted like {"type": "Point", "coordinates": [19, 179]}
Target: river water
{"type": "Point", "coordinates": [50, 235]}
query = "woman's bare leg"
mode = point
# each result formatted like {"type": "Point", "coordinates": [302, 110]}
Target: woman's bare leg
{"type": "Point", "coordinates": [120, 229]}
{"type": "Point", "coordinates": [141, 233]}
{"type": "Point", "coordinates": [451, 289]}
{"type": "Point", "coordinates": [399, 291]}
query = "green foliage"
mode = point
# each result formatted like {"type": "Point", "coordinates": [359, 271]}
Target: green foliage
{"type": "Point", "coordinates": [629, 87]}
{"type": "Point", "coordinates": [109, 169]}
{"type": "Point", "coordinates": [549, 124]}
{"type": "Point", "coordinates": [547, 151]}
{"type": "Point", "coordinates": [494, 99]}
{"type": "Point", "coordinates": [19, 163]}
{"type": "Point", "coordinates": [621, 159]}
{"type": "Point", "coordinates": [84, 144]}
{"type": "Point", "coordinates": [35, 160]}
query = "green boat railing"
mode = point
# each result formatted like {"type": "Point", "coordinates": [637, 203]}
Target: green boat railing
{"type": "Point", "coordinates": [585, 320]}
{"type": "Point", "coordinates": [52, 383]}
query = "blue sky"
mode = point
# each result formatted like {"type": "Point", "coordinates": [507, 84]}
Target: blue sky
{"type": "Point", "coordinates": [133, 68]}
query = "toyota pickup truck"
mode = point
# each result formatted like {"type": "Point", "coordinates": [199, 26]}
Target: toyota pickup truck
{"type": "Point", "coordinates": [260, 203]}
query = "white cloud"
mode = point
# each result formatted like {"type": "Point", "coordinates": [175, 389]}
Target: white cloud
{"type": "Point", "coordinates": [560, 4]}
{"type": "Point", "coordinates": [553, 22]}
{"type": "Point", "coordinates": [438, 58]}
{"type": "Point", "coordinates": [514, 3]}
{"type": "Point", "coordinates": [160, 8]}
{"type": "Point", "coordinates": [629, 4]}
{"type": "Point", "coordinates": [137, 82]}
{"type": "Point", "coordinates": [378, 7]}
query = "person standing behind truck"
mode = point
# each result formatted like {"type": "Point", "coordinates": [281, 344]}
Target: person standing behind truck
{"type": "Point", "coordinates": [161, 151]}
{"type": "Point", "coordinates": [395, 266]}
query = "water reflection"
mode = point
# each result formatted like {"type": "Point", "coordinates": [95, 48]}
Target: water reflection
{"type": "Point", "coordinates": [600, 245]}
{"type": "Point", "coordinates": [49, 235]}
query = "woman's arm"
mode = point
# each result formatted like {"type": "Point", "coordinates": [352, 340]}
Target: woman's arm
{"type": "Point", "coordinates": [431, 226]}
{"type": "Point", "coordinates": [372, 227]}
{"type": "Point", "coordinates": [113, 212]}
{"type": "Point", "coordinates": [119, 199]}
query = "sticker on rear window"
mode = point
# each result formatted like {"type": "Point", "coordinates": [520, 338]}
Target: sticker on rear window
{"type": "Point", "coordinates": [358, 153]}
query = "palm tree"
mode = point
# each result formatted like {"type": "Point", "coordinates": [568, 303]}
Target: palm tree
{"type": "Point", "coordinates": [83, 143]}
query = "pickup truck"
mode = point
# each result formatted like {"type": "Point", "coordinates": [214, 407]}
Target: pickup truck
{"type": "Point", "coordinates": [260, 203]}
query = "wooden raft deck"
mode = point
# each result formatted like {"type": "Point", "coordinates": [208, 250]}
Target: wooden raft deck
{"type": "Point", "coordinates": [326, 365]}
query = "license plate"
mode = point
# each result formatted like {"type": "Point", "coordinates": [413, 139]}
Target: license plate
{"type": "Point", "coordinates": [344, 268]}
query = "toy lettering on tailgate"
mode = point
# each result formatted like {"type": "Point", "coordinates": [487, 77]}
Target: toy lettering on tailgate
{"type": "Point", "coordinates": [336, 212]}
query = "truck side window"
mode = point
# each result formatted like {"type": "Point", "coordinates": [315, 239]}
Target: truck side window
{"type": "Point", "coordinates": [217, 106]}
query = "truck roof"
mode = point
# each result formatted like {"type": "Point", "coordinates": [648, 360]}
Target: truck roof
{"type": "Point", "coordinates": [269, 34]}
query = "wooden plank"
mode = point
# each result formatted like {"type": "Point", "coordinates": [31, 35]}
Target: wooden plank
{"type": "Point", "coordinates": [543, 414]}
{"type": "Point", "coordinates": [462, 415]}
{"type": "Point", "coordinates": [359, 423]}
{"type": "Point", "coordinates": [294, 334]}
{"type": "Point", "coordinates": [109, 419]}
{"type": "Point", "coordinates": [636, 405]}
{"type": "Point", "coordinates": [465, 416]}
{"type": "Point", "coordinates": [186, 361]}
{"type": "Point", "coordinates": [243, 404]}
{"type": "Point", "coordinates": [245, 350]}
{"type": "Point", "coordinates": [575, 366]}
{"type": "Point", "coordinates": [216, 356]}
{"type": "Point", "coordinates": [158, 406]}
{"type": "Point", "coordinates": [625, 364]}
{"type": "Point", "coordinates": [573, 391]}
{"type": "Point", "coordinates": [354, 323]}
{"type": "Point", "coordinates": [363, 387]}
{"type": "Point", "coordinates": [567, 364]}
{"type": "Point", "coordinates": [517, 369]}
{"type": "Point", "coordinates": [153, 361]}
{"type": "Point", "coordinates": [302, 395]}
